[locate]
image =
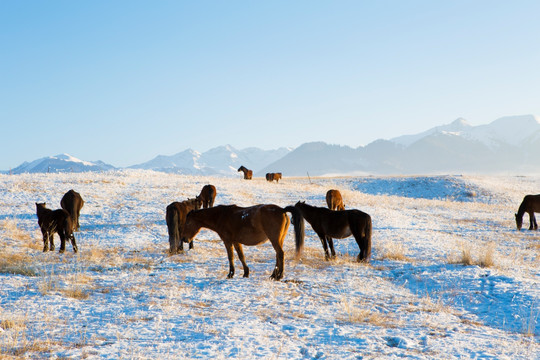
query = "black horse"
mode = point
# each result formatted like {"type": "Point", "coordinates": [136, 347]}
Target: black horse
{"type": "Point", "coordinates": [55, 221]}
{"type": "Point", "coordinates": [72, 202]}
{"type": "Point", "coordinates": [530, 205]}
{"type": "Point", "coordinates": [329, 224]}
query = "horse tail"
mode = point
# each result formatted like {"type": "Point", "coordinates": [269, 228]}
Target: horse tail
{"type": "Point", "coordinates": [172, 217]}
{"type": "Point", "coordinates": [367, 235]}
{"type": "Point", "coordinates": [298, 223]}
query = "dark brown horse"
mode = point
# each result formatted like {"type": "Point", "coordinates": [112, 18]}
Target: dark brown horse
{"type": "Point", "coordinates": [273, 176]}
{"type": "Point", "coordinates": [72, 202]}
{"type": "Point", "coordinates": [530, 205]}
{"type": "Point", "coordinates": [329, 224]}
{"type": "Point", "coordinates": [248, 174]}
{"type": "Point", "coordinates": [334, 200]}
{"type": "Point", "coordinates": [176, 218]}
{"type": "Point", "coordinates": [57, 221]}
{"type": "Point", "coordinates": [207, 196]}
{"type": "Point", "coordinates": [250, 226]}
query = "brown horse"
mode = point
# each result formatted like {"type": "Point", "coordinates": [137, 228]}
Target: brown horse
{"type": "Point", "coordinates": [250, 226]}
{"type": "Point", "coordinates": [57, 221]}
{"type": "Point", "coordinates": [334, 200]}
{"type": "Point", "coordinates": [273, 176]}
{"type": "Point", "coordinates": [72, 202]}
{"type": "Point", "coordinates": [530, 205]}
{"type": "Point", "coordinates": [248, 174]}
{"type": "Point", "coordinates": [176, 218]}
{"type": "Point", "coordinates": [329, 224]}
{"type": "Point", "coordinates": [207, 196]}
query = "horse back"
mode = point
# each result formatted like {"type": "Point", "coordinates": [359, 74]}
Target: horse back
{"type": "Point", "coordinates": [61, 219]}
{"type": "Point", "coordinates": [334, 200]}
{"type": "Point", "coordinates": [72, 201]}
{"type": "Point", "coordinates": [531, 203]}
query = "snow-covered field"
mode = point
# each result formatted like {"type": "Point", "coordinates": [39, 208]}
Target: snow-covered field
{"type": "Point", "coordinates": [450, 276]}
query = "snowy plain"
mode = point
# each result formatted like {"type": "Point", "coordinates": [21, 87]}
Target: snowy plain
{"type": "Point", "coordinates": [450, 276]}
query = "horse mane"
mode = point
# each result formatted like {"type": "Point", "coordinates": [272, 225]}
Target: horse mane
{"type": "Point", "coordinates": [522, 208]}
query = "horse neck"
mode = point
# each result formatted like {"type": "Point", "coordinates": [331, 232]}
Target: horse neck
{"type": "Point", "coordinates": [307, 211]}
{"type": "Point", "coordinates": [42, 211]}
{"type": "Point", "coordinates": [522, 208]}
{"type": "Point", "coordinates": [206, 218]}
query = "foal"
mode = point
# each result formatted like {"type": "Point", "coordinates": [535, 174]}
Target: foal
{"type": "Point", "coordinates": [55, 221]}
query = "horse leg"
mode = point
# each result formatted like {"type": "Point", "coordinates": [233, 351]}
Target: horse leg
{"type": "Point", "coordinates": [62, 241]}
{"type": "Point", "coordinates": [191, 244]}
{"type": "Point", "coordinates": [50, 236]}
{"type": "Point", "coordinates": [277, 274]}
{"type": "Point", "coordinates": [230, 255]}
{"type": "Point", "coordinates": [179, 244]}
{"type": "Point", "coordinates": [363, 244]}
{"type": "Point", "coordinates": [240, 253]}
{"type": "Point", "coordinates": [532, 220]}
{"type": "Point", "coordinates": [73, 243]}
{"type": "Point", "coordinates": [45, 240]}
{"type": "Point", "coordinates": [330, 242]}
{"type": "Point", "coordinates": [325, 246]}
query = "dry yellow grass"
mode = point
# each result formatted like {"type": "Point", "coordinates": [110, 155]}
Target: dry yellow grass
{"type": "Point", "coordinates": [17, 263]}
{"type": "Point", "coordinates": [394, 251]}
{"type": "Point", "coordinates": [364, 313]}
{"type": "Point", "coordinates": [486, 257]}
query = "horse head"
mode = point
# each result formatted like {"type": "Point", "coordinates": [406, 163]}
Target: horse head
{"type": "Point", "coordinates": [519, 221]}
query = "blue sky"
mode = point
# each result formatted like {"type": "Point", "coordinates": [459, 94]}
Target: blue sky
{"type": "Point", "coordinates": [124, 81]}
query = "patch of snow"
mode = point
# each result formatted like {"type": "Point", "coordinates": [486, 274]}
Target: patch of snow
{"type": "Point", "coordinates": [123, 296]}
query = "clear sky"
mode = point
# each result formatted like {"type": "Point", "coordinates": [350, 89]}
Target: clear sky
{"type": "Point", "coordinates": [124, 81]}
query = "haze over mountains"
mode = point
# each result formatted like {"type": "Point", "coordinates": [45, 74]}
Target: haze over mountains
{"type": "Point", "coordinates": [507, 145]}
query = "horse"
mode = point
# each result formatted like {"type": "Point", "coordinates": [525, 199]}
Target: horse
{"type": "Point", "coordinates": [248, 174]}
{"type": "Point", "coordinates": [207, 196]}
{"type": "Point", "coordinates": [329, 224]}
{"type": "Point", "coordinates": [273, 176]}
{"type": "Point", "coordinates": [51, 221]}
{"type": "Point", "coordinates": [237, 226]}
{"type": "Point", "coordinates": [72, 202]}
{"type": "Point", "coordinates": [530, 205]}
{"type": "Point", "coordinates": [334, 200]}
{"type": "Point", "coordinates": [176, 218]}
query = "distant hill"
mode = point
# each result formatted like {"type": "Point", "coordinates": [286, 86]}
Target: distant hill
{"type": "Point", "coordinates": [61, 163]}
{"type": "Point", "coordinates": [506, 145]}
{"type": "Point", "coordinates": [222, 160]}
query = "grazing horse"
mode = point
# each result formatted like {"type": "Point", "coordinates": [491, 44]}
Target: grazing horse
{"type": "Point", "coordinates": [530, 205]}
{"type": "Point", "coordinates": [250, 226]}
{"type": "Point", "coordinates": [176, 218]}
{"type": "Point", "coordinates": [72, 202]}
{"type": "Point", "coordinates": [207, 196]}
{"type": "Point", "coordinates": [57, 221]}
{"type": "Point", "coordinates": [329, 224]}
{"type": "Point", "coordinates": [334, 200]}
{"type": "Point", "coordinates": [248, 174]}
{"type": "Point", "coordinates": [273, 176]}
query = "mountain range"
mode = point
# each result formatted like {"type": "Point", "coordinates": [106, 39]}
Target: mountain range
{"type": "Point", "coordinates": [506, 145]}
